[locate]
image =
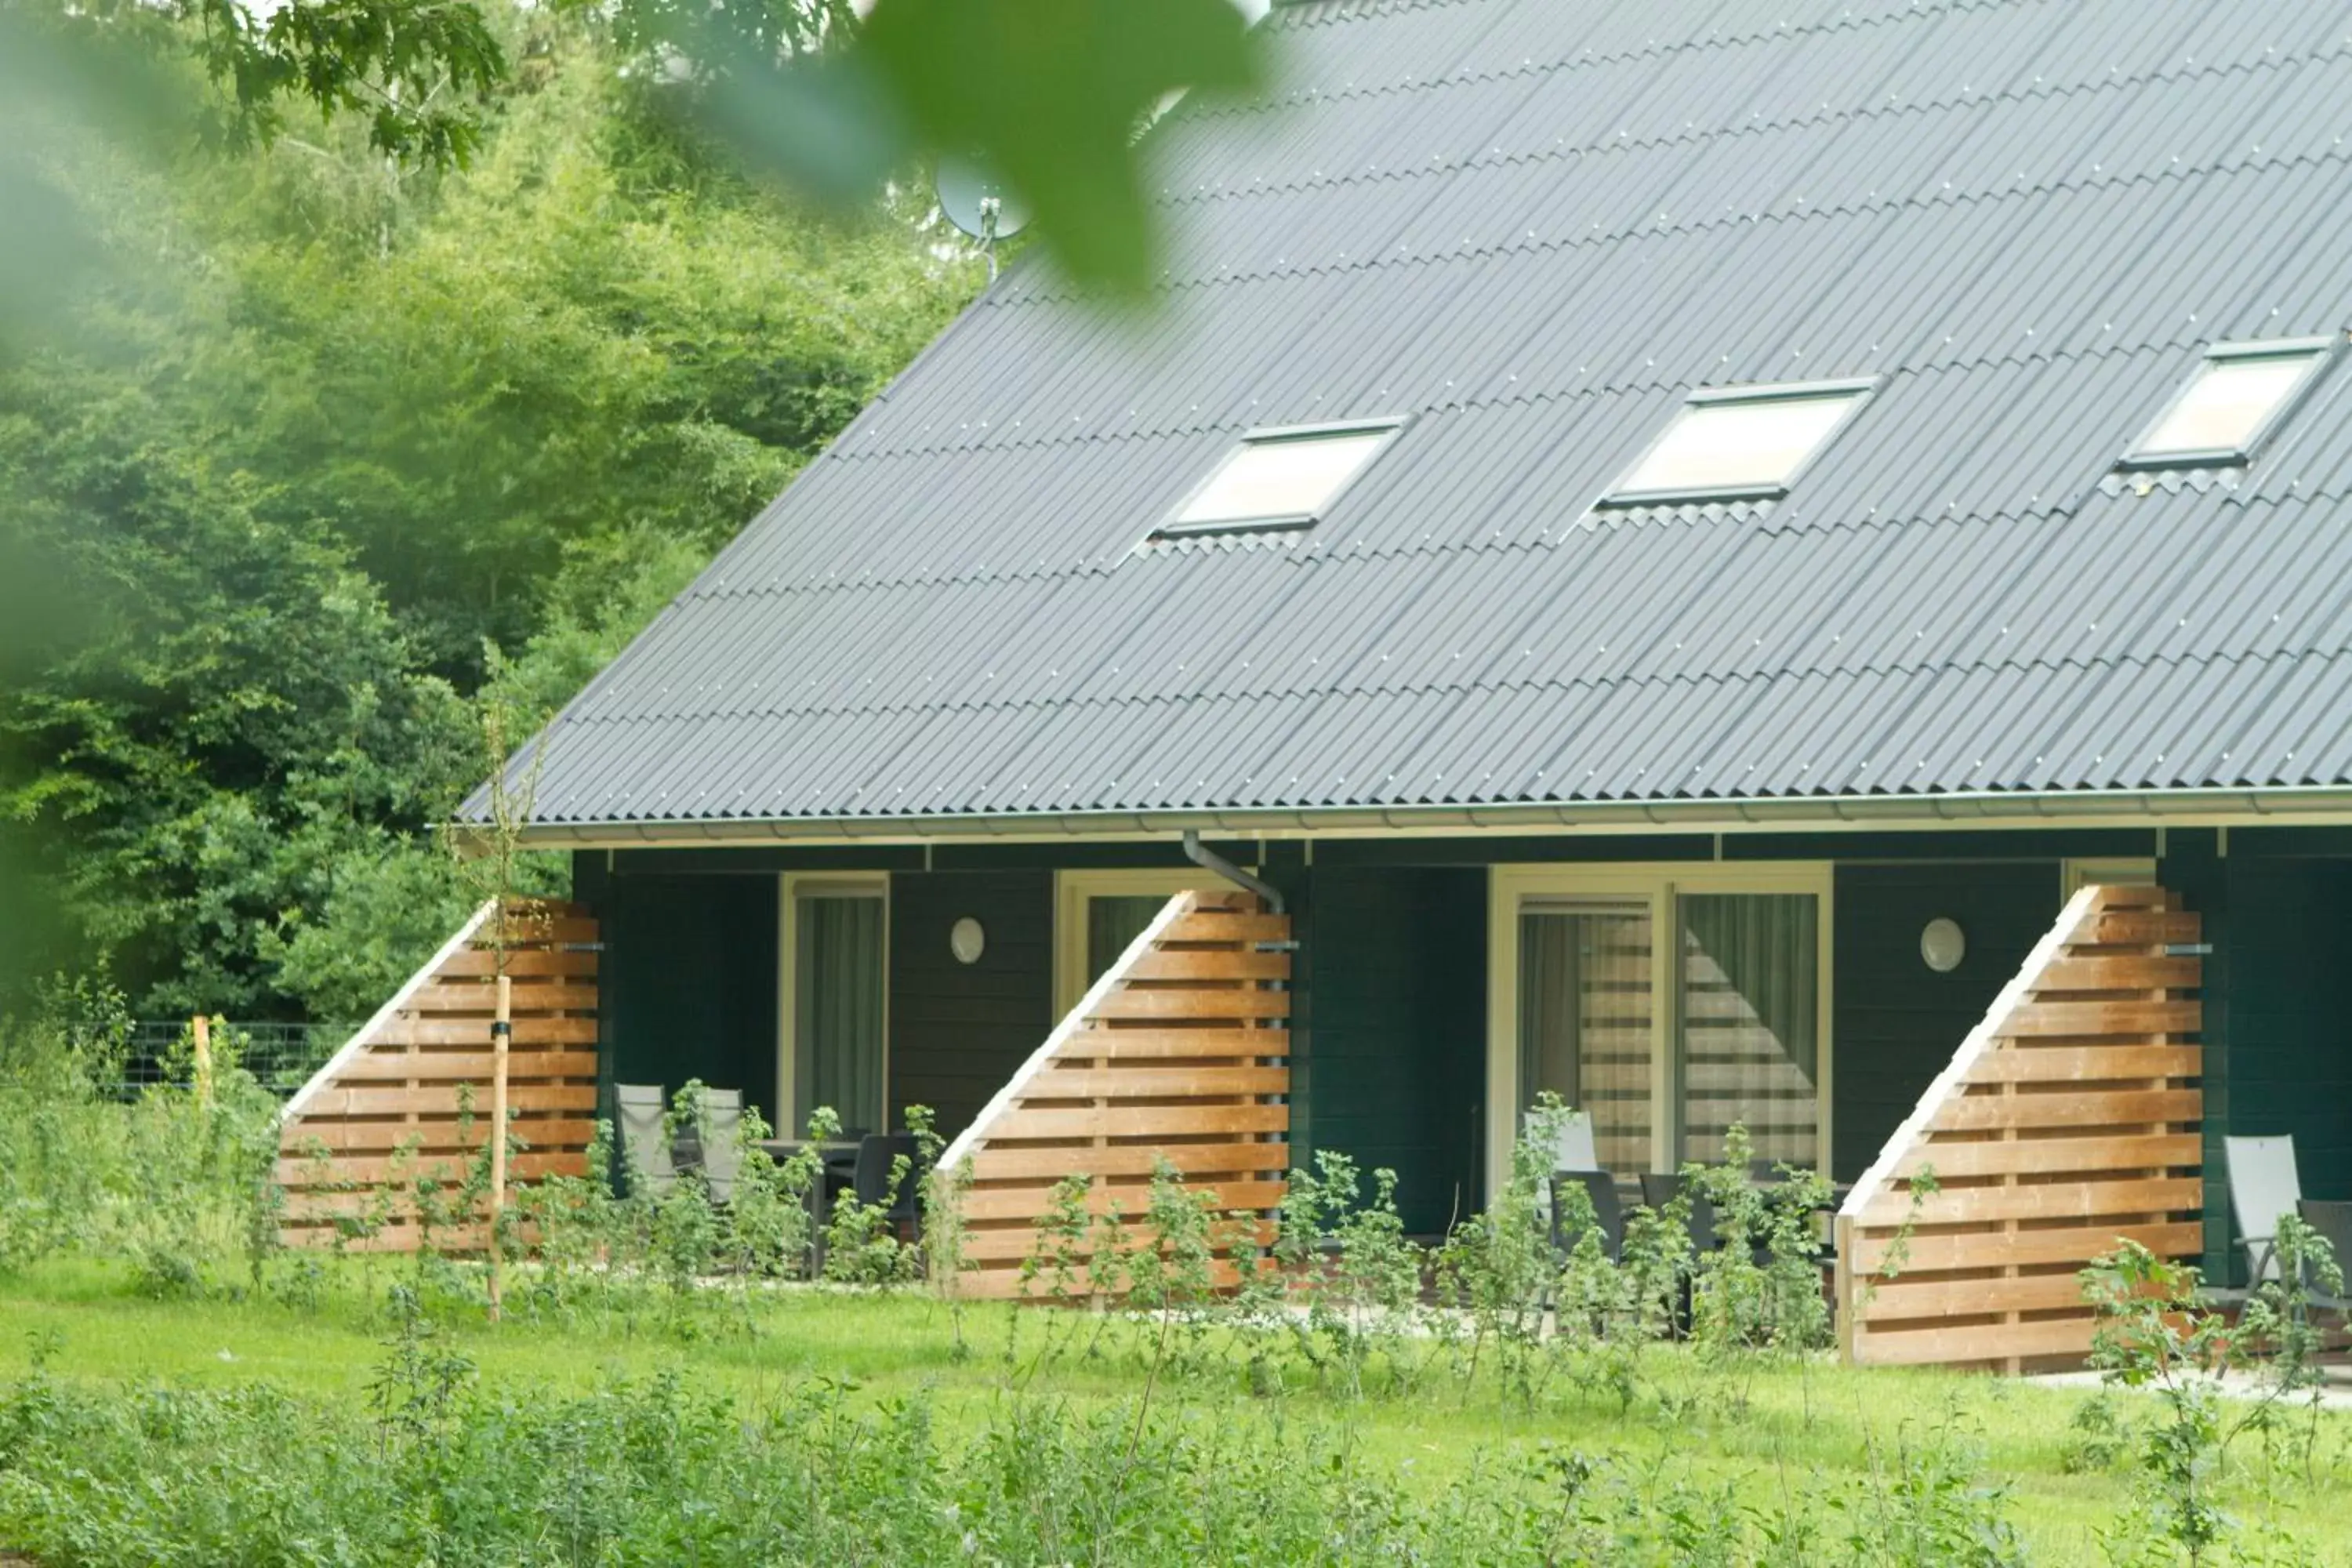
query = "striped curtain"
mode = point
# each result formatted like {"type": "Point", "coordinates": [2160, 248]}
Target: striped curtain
{"type": "Point", "coordinates": [1750, 1023]}
{"type": "Point", "coordinates": [1585, 1020]}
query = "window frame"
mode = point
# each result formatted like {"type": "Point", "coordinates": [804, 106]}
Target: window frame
{"type": "Point", "coordinates": [1074, 889]}
{"type": "Point", "coordinates": [1511, 888]}
{"type": "Point", "coordinates": [1855, 391]}
{"type": "Point", "coordinates": [790, 888]}
{"type": "Point", "coordinates": [1174, 526]}
{"type": "Point", "coordinates": [2139, 457]}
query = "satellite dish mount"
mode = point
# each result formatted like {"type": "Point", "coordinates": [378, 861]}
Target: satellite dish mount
{"type": "Point", "coordinates": [977, 200]}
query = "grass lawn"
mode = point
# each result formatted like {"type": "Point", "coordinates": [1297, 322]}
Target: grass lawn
{"type": "Point", "coordinates": [1774, 1429]}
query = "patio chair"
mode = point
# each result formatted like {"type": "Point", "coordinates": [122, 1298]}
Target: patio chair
{"type": "Point", "coordinates": [1659, 1189]}
{"type": "Point", "coordinates": [2264, 1187]}
{"type": "Point", "coordinates": [645, 1141]}
{"type": "Point", "coordinates": [1608, 1214]}
{"type": "Point", "coordinates": [1575, 1150]}
{"type": "Point", "coordinates": [722, 1155]}
{"type": "Point", "coordinates": [2331, 1222]}
{"type": "Point", "coordinates": [870, 1181]}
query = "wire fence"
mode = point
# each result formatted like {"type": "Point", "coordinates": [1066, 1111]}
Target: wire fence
{"type": "Point", "coordinates": [281, 1055]}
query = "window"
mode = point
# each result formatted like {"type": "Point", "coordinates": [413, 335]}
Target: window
{"type": "Point", "coordinates": [2235, 400]}
{"type": "Point", "coordinates": [1281, 479]}
{"type": "Point", "coordinates": [1098, 913]}
{"type": "Point", "coordinates": [1667, 1003]}
{"type": "Point", "coordinates": [1741, 443]}
{"type": "Point", "coordinates": [834, 1000]}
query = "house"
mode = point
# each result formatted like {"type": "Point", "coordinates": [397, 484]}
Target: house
{"type": "Point", "coordinates": [1675, 539]}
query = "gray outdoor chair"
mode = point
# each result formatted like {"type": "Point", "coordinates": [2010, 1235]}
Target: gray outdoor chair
{"type": "Point", "coordinates": [1608, 1212]}
{"type": "Point", "coordinates": [1574, 1154]}
{"type": "Point", "coordinates": [1575, 1150]}
{"type": "Point", "coordinates": [722, 1154]}
{"type": "Point", "coordinates": [2263, 1188]}
{"type": "Point", "coordinates": [641, 1114]}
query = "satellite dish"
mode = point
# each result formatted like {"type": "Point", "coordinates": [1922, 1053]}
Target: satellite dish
{"type": "Point", "coordinates": [978, 201]}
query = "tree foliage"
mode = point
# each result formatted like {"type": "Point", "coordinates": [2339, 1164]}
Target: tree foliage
{"type": "Point", "coordinates": [334, 448]}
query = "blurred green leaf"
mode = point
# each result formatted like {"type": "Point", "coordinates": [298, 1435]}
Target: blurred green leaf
{"type": "Point", "coordinates": [1052, 92]}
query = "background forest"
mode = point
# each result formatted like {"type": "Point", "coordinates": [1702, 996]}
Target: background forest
{"type": "Point", "coordinates": [331, 457]}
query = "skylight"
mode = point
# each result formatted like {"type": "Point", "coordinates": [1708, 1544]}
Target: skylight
{"type": "Point", "coordinates": [2232, 405]}
{"type": "Point", "coordinates": [1283, 477]}
{"type": "Point", "coordinates": [1744, 442]}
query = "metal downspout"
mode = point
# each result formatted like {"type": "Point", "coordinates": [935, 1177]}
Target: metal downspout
{"type": "Point", "coordinates": [1208, 860]}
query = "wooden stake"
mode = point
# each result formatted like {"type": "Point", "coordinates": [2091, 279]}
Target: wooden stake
{"type": "Point", "coordinates": [202, 1033]}
{"type": "Point", "coordinates": [501, 1033]}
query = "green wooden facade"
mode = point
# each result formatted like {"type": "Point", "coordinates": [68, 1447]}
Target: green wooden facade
{"type": "Point", "coordinates": [1390, 1027]}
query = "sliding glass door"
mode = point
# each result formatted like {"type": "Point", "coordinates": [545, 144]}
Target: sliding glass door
{"type": "Point", "coordinates": [1667, 1003]}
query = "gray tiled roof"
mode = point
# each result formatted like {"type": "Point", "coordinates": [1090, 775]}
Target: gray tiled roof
{"type": "Point", "coordinates": [1533, 224]}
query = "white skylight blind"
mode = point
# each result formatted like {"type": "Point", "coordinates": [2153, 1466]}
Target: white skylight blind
{"type": "Point", "coordinates": [2237, 398]}
{"type": "Point", "coordinates": [1281, 479]}
{"type": "Point", "coordinates": [1740, 442]}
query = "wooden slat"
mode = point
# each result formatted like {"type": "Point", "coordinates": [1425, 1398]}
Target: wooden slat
{"type": "Point", "coordinates": [1213, 963]}
{"type": "Point", "coordinates": [528, 1032]}
{"type": "Point", "coordinates": [471, 997]}
{"type": "Point", "coordinates": [997, 1163]}
{"type": "Point", "coordinates": [2133, 973]}
{"type": "Point", "coordinates": [1028, 1203]}
{"type": "Point", "coordinates": [1139, 1044]}
{"type": "Point", "coordinates": [1128, 1082]}
{"type": "Point", "coordinates": [1993, 1342]}
{"type": "Point", "coordinates": [1159, 1120]}
{"type": "Point", "coordinates": [2088, 1108]}
{"type": "Point", "coordinates": [528, 964]}
{"type": "Point", "coordinates": [2074, 1064]}
{"type": "Point", "coordinates": [2074, 1199]}
{"type": "Point", "coordinates": [2142, 930]}
{"type": "Point", "coordinates": [434, 1067]}
{"type": "Point", "coordinates": [1209, 924]}
{"type": "Point", "coordinates": [2080, 1018]}
{"type": "Point", "coordinates": [1221, 1002]}
{"type": "Point", "coordinates": [1912, 1298]}
{"type": "Point", "coordinates": [368, 1170]}
{"type": "Point", "coordinates": [441, 1099]}
{"type": "Point", "coordinates": [384, 1137]}
{"type": "Point", "coordinates": [1996, 1249]}
{"type": "Point", "coordinates": [2041, 1155]}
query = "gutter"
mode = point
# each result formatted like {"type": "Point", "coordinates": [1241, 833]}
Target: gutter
{"type": "Point", "coordinates": [2315, 805]}
{"type": "Point", "coordinates": [1208, 860]}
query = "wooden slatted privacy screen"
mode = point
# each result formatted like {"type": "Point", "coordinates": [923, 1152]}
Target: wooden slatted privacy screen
{"type": "Point", "coordinates": [2069, 1119]}
{"type": "Point", "coordinates": [395, 1085]}
{"type": "Point", "coordinates": [1180, 1049]}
